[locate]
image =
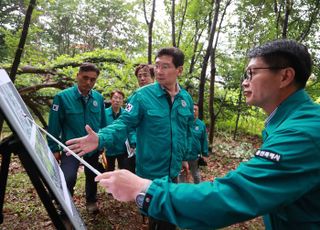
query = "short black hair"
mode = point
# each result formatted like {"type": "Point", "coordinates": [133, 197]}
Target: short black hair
{"type": "Point", "coordinates": [88, 67]}
{"type": "Point", "coordinates": [286, 53]}
{"type": "Point", "coordinates": [176, 54]}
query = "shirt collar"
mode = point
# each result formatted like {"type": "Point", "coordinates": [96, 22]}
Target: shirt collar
{"type": "Point", "coordinates": [166, 91]}
{"type": "Point", "coordinates": [266, 122]}
{"type": "Point", "coordinates": [78, 92]}
{"type": "Point", "coordinates": [116, 115]}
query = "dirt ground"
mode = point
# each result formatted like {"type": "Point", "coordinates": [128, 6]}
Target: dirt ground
{"type": "Point", "coordinates": [24, 210]}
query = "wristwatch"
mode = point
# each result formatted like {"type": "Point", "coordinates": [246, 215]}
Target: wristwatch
{"type": "Point", "coordinates": [143, 199]}
{"type": "Point", "coordinates": [140, 199]}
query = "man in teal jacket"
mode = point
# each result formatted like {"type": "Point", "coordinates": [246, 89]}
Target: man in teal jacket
{"type": "Point", "coordinates": [199, 148]}
{"type": "Point", "coordinates": [145, 76]}
{"type": "Point", "coordinates": [119, 151]}
{"type": "Point", "coordinates": [71, 110]}
{"type": "Point", "coordinates": [281, 182]}
{"type": "Point", "coordinates": [162, 114]}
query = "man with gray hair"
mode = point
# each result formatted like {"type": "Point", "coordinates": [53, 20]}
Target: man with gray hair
{"type": "Point", "coordinates": [281, 182]}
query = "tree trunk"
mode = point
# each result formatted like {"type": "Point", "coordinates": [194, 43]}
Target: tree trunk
{"type": "Point", "coordinates": [211, 100]}
{"type": "Point", "coordinates": [286, 18]}
{"type": "Point", "coordinates": [22, 41]}
{"type": "Point", "coordinates": [238, 112]}
{"type": "Point", "coordinates": [20, 48]}
{"type": "Point", "coordinates": [150, 27]}
{"type": "Point", "coordinates": [206, 59]}
{"type": "Point", "coordinates": [182, 22]}
{"type": "Point", "coordinates": [213, 115]}
{"type": "Point", "coordinates": [197, 36]}
{"type": "Point", "coordinates": [173, 27]}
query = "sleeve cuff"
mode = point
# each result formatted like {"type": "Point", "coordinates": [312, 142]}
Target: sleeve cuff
{"type": "Point", "coordinates": [151, 192]}
{"type": "Point", "coordinates": [105, 140]}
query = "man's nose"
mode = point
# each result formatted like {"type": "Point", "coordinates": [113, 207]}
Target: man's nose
{"type": "Point", "coordinates": [245, 83]}
{"type": "Point", "coordinates": [88, 81]}
{"type": "Point", "coordinates": [158, 70]}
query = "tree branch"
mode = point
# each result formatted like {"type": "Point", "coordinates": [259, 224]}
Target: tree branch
{"type": "Point", "coordinates": [34, 88]}
{"type": "Point", "coordinates": [33, 106]}
{"type": "Point", "coordinates": [311, 22]}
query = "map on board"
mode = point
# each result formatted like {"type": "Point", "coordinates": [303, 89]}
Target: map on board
{"type": "Point", "coordinates": [16, 113]}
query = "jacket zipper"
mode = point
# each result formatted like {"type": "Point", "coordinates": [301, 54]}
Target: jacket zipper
{"type": "Point", "coordinates": [170, 102]}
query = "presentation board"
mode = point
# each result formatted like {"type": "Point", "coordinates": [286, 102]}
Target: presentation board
{"type": "Point", "coordinates": [18, 116]}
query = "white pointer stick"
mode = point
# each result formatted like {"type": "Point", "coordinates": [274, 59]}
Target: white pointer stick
{"type": "Point", "coordinates": [65, 147]}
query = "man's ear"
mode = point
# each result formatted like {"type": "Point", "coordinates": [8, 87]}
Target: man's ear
{"type": "Point", "coordinates": [287, 77]}
{"type": "Point", "coordinates": [180, 70]}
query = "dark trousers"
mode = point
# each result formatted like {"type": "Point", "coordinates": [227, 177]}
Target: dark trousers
{"type": "Point", "coordinates": [112, 162]}
{"type": "Point", "coordinates": [155, 224]}
{"type": "Point", "coordinates": [130, 163]}
{"type": "Point", "coordinates": [69, 166]}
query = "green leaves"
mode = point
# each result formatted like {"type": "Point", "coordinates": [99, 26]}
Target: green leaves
{"type": "Point", "coordinates": [113, 34]}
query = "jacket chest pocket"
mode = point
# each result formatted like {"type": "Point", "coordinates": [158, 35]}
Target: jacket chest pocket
{"type": "Point", "coordinates": [157, 117]}
{"type": "Point", "coordinates": [94, 109]}
{"type": "Point", "coordinates": [184, 115]}
{"type": "Point", "coordinates": [93, 118]}
{"type": "Point", "coordinates": [74, 117]}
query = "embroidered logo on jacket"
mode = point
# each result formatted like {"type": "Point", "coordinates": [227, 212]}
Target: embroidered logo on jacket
{"type": "Point", "coordinates": [268, 155]}
{"type": "Point", "coordinates": [183, 103]}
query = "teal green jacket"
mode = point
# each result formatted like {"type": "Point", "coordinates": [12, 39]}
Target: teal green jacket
{"type": "Point", "coordinates": [281, 182]}
{"type": "Point", "coordinates": [69, 114]}
{"type": "Point", "coordinates": [119, 148]}
{"type": "Point", "coordinates": [199, 140]}
{"type": "Point", "coordinates": [132, 132]}
{"type": "Point", "coordinates": [163, 131]}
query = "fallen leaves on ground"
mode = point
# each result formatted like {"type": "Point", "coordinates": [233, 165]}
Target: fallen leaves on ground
{"type": "Point", "coordinates": [24, 210]}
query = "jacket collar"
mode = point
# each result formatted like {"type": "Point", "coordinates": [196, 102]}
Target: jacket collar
{"type": "Point", "coordinates": [160, 90]}
{"type": "Point", "coordinates": [286, 108]}
{"type": "Point", "coordinates": [77, 92]}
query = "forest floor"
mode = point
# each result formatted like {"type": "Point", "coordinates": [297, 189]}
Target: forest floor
{"type": "Point", "coordinates": [23, 208]}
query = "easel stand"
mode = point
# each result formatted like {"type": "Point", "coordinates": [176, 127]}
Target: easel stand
{"type": "Point", "coordinates": [14, 145]}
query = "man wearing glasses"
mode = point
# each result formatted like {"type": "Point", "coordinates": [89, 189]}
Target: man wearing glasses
{"type": "Point", "coordinates": [162, 114]}
{"type": "Point", "coordinates": [281, 182]}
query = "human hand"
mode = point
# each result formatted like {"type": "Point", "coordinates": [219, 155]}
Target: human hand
{"type": "Point", "coordinates": [205, 158]}
{"type": "Point", "coordinates": [202, 161]}
{"type": "Point", "coordinates": [185, 166]}
{"type": "Point", "coordinates": [83, 145]}
{"type": "Point", "coordinates": [122, 184]}
{"type": "Point", "coordinates": [132, 152]}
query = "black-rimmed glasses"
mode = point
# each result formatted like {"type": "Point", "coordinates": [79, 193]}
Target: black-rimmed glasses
{"type": "Point", "coordinates": [248, 74]}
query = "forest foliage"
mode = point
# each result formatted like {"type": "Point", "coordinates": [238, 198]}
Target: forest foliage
{"type": "Point", "coordinates": [115, 34]}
